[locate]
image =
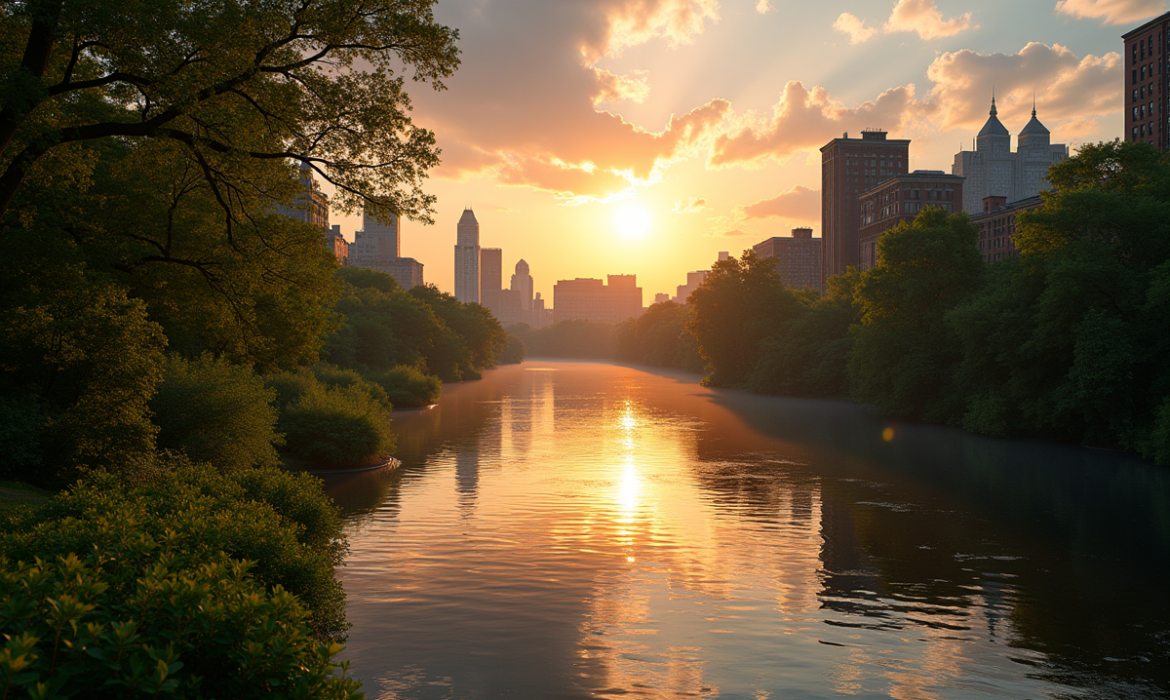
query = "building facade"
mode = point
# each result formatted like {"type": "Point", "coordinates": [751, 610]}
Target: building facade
{"type": "Point", "coordinates": [694, 279]}
{"type": "Point", "coordinates": [900, 199]}
{"type": "Point", "coordinates": [993, 170]}
{"type": "Point", "coordinates": [848, 168]}
{"type": "Point", "coordinates": [467, 258]}
{"type": "Point", "coordinates": [593, 300]}
{"type": "Point", "coordinates": [997, 226]}
{"type": "Point", "coordinates": [1147, 112]}
{"type": "Point", "coordinates": [797, 258]}
{"type": "Point", "coordinates": [337, 244]}
{"type": "Point", "coordinates": [311, 204]}
{"type": "Point", "coordinates": [661, 298]}
{"type": "Point", "coordinates": [378, 246]}
{"type": "Point", "coordinates": [491, 277]}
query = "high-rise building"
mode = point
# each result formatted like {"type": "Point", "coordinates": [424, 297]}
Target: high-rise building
{"type": "Point", "coordinates": [848, 168]}
{"type": "Point", "coordinates": [593, 300]}
{"type": "Point", "coordinates": [900, 199]}
{"type": "Point", "coordinates": [491, 274]}
{"type": "Point", "coordinates": [1146, 91]}
{"type": "Point", "coordinates": [311, 204]}
{"type": "Point", "coordinates": [467, 258]}
{"type": "Point", "coordinates": [993, 170]}
{"type": "Point", "coordinates": [798, 258]}
{"type": "Point", "coordinates": [522, 285]}
{"type": "Point", "coordinates": [378, 246]}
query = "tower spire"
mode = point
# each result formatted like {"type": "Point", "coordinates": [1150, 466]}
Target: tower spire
{"type": "Point", "coordinates": [994, 111]}
{"type": "Point", "coordinates": [1033, 104]}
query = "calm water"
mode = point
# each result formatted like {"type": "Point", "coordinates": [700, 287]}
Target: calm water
{"type": "Point", "coordinates": [576, 530]}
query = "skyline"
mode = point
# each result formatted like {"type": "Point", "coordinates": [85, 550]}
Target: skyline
{"type": "Point", "coordinates": [755, 88]}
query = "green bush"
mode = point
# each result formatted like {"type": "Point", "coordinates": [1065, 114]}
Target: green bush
{"type": "Point", "coordinates": [407, 387]}
{"type": "Point", "coordinates": [335, 428]}
{"type": "Point", "coordinates": [148, 620]}
{"type": "Point", "coordinates": [514, 352]}
{"type": "Point", "coordinates": [216, 412]}
{"type": "Point", "coordinates": [335, 377]}
{"type": "Point", "coordinates": [193, 516]}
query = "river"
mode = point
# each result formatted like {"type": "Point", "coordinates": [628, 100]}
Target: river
{"type": "Point", "coordinates": [586, 530]}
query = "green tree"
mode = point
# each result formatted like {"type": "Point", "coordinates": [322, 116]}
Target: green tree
{"type": "Point", "coordinates": [904, 354]}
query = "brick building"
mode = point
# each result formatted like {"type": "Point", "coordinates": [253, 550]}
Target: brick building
{"type": "Point", "coordinates": [592, 300]}
{"type": "Point", "coordinates": [997, 225]}
{"type": "Point", "coordinates": [1145, 91]}
{"type": "Point", "coordinates": [798, 258]}
{"type": "Point", "coordinates": [848, 168]}
{"type": "Point", "coordinates": [899, 199]}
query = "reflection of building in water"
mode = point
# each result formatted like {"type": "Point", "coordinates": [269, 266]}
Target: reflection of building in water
{"type": "Point", "coordinates": [467, 477]}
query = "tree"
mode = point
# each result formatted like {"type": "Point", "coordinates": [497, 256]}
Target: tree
{"type": "Point", "coordinates": [315, 81]}
{"type": "Point", "coordinates": [904, 354]}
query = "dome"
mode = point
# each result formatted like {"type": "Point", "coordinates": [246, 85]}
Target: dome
{"type": "Point", "coordinates": [993, 127]}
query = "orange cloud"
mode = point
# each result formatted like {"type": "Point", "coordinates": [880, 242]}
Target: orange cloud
{"type": "Point", "coordinates": [618, 88]}
{"type": "Point", "coordinates": [807, 119]}
{"type": "Point", "coordinates": [858, 31]}
{"type": "Point", "coordinates": [690, 205]}
{"type": "Point", "coordinates": [1112, 11]}
{"type": "Point", "coordinates": [798, 204]}
{"type": "Point", "coordinates": [918, 16]}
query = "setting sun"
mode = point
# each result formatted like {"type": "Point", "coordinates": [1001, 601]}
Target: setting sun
{"type": "Point", "coordinates": [632, 221]}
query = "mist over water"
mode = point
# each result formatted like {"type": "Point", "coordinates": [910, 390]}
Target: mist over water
{"type": "Point", "coordinates": [575, 530]}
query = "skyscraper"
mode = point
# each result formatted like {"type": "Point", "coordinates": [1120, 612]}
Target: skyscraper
{"type": "Point", "coordinates": [522, 285]}
{"type": "Point", "coordinates": [848, 168]}
{"type": "Point", "coordinates": [491, 277]}
{"type": "Point", "coordinates": [378, 246]}
{"type": "Point", "coordinates": [467, 258]}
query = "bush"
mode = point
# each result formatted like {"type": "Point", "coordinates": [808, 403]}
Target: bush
{"type": "Point", "coordinates": [336, 377]}
{"type": "Point", "coordinates": [514, 352]}
{"type": "Point", "coordinates": [335, 428]}
{"type": "Point", "coordinates": [216, 412]}
{"type": "Point", "coordinates": [144, 620]}
{"type": "Point", "coordinates": [194, 517]}
{"type": "Point", "coordinates": [407, 387]}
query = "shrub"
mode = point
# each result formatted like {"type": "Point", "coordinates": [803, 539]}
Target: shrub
{"type": "Point", "coordinates": [194, 516]}
{"type": "Point", "coordinates": [408, 387]}
{"type": "Point", "coordinates": [335, 428]}
{"type": "Point", "coordinates": [216, 412]}
{"type": "Point", "coordinates": [514, 352]}
{"type": "Point", "coordinates": [335, 377]}
{"type": "Point", "coordinates": [144, 619]}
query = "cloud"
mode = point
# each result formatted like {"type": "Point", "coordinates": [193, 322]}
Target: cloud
{"type": "Point", "coordinates": [918, 16]}
{"type": "Point", "coordinates": [857, 30]}
{"type": "Point", "coordinates": [618, 88]}
{"type": "Point", "coordinates": [733, 233]}
{"type": "Point", "coordinates": [798, 204]}
{"type": "Point", "coordinates": [690, 205]}
{"type": "Point", "coordinates": [1112, 11]}
{"type": "Point", "coordinates": [924, 17]}
{"type": "Point", "coordinates": [807, 119]}
{"type": "Point", "coordinates": [1066, 86]}
{"type": "Point", "coordinates": [763, 6]}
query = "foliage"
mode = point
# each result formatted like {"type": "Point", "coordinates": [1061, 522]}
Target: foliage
{"type": "Point", "coordinates": [474, 340]}
{"type": "Point", "coordinates": [514, 352]}
{"type": "Point", "coordinates": [741, 302]}
{"type": "Point", "coordinates": [335, 427]}
{"type": "Point", "coordinates": [193, 516]}
{"type": "Point", "coordinates": [336, 377]}
{"type": "Point", "coordinates": [217, 412]}
{"type": "Point", "coordinates": [570, 339]}
{"type": "Point", "coordinates": [658, 338]}
{"type": "Point", "coordinates": [406, 386]}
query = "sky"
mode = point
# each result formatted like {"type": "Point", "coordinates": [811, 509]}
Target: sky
{"type": "Point", "coordinates": [596, 137]}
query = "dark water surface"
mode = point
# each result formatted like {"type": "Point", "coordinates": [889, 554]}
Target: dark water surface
{"type": "Point", "coordinates": [576, 530]}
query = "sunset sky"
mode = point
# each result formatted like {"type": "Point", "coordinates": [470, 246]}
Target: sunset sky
{"type": "Point", "coordinates": [707, 115]}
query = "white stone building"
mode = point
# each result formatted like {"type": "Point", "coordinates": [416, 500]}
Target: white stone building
{"type": "Point", "coordinates": [467, 258]}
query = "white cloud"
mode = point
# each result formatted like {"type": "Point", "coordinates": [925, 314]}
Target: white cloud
{"type": "Point", "coordinates": [1112, 11]}
{"type": "Point", "coordinates": [918, 16]}
{"type": "Point", "coordinates": [857, 30]}
{"type": "Point", "coordinates": [690, 205]}
{"type": "Point", "coordinates": [763, 6]}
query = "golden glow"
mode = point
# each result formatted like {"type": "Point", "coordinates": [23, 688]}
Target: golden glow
{"type": "Point", "coordinates": [888, 434]}
{"type": "Point", "coordinates": [632, 221]}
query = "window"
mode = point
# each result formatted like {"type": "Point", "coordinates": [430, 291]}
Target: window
{"type": "Point", "coordinates": [1135, 76]}
{"type": "Point", "coordinates": [1143, 131]}
{"type": "Point", "coordinates": [1142, 92]}
{"type": "Point", "coordinates": [1143, 72]}
{"type": "Point", "coordinates": [1143, 108]}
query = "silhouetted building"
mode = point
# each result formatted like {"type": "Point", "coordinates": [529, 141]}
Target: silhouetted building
{"type": "Point", "coordinates": [694, 279]}
{"type": "Point", "coordinates": [798, 258]}
{"type": "Point", "coordinates": [337, 244]}
{"type": "Point", "coordinates": [900, 199]}
{"type": "Point", "coordinates": [467, 258]}
{"type": "Point", "coordinates": [491, 277]}
{"type": "Point", "coordinates": [993, 170]}
{"type": "Point", "coordinates": [1145, 90]}
{"type": "Point", "coordinates": [592, 300]}
{"type": "Point", "coordinates": [522, 285]}
{"type": "Point", "coordinates": [848, 168]}
{"type": "Point", "coordinates": [311, 204]}
{"type": "Point", "coordinates": [724, 255]}
{"type": "Point", "coordinates": [661, 298]}
{"type": "Point", "coordinates": [541, 316]}
{"type": "Point", "coordinates": [997, 225]}
{"type": "Point", "coordinates": [378, 246]}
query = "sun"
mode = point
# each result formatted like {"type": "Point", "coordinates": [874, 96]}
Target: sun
{"type": "Point", "coordinates": [632, 221]}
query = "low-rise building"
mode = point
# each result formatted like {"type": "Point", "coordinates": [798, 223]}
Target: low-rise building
{"type": "Point", "coordinates": [997, 226]}
{"type": "Point", "coordinates": [899, 199]}
{"type": "Point", "coordinates": [337, 244]}
{"type": "Point", "coordinates": [593, 300]}
{"type": "Point", "coordinates": [798, 258]}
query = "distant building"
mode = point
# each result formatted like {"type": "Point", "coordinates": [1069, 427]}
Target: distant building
{"type": "Point", "coordinates": [993, 170]}
{"type": "Point", "coordinates": [467, 258]}
{"type": "Point", "coordinates": [378, 246]}
{"type": "Point", "coordinates": [900, 199]}
{"type": "Point", "coordinates": [514, 304]}
{"type": "Point", "coordinates": [1145, 90]}
{"type": "Point", "coordinates": [694, 279]}
{"type": "Point", "coordinates": [848, 168]}
{"type": "Point", "coordinates": [541, 316]}
{"type": "Point", "coordinates": [661, 298]}
{"type": "Point", "coordinates": [337, 244]}
{"type": "Point", "coordinates": [798, 258]}
{"type": "Point", "coordinates": [724, 255]}
{"type": "Point", "coordinates": [593, 300]}
{"type": "Point", "coordinates": [311, 204]}
{"type": "Point", "coordinates": [997, 225]}
{"type": "Point", "coordinates": [522, 285]}
{"type": "Point", "coordinates": [491, 274]}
